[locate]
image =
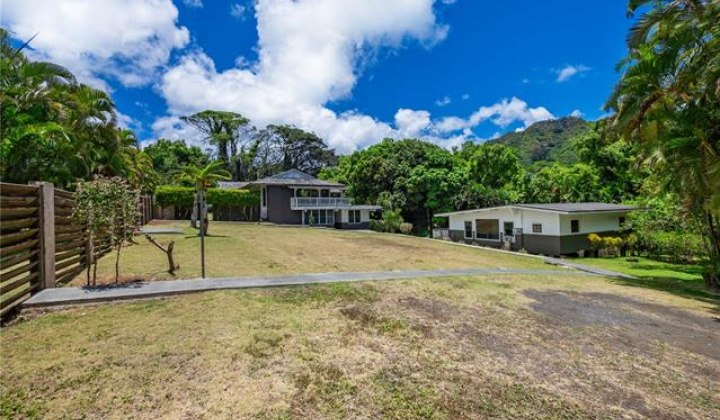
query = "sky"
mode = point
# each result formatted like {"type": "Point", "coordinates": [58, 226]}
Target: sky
{"type": "Point", "coordinates": [352, 71]}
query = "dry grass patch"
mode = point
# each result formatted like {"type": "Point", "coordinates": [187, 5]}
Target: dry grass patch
{"type": "Point", "coordinates": [447, 348]}
{"type": "Point", "coordinates": [247, 249]}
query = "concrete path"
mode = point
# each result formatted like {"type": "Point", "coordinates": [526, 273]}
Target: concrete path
{"type": "Point", "coordinates": [124, 291]}
{"type": "Point", "coordinates": [587, 268]}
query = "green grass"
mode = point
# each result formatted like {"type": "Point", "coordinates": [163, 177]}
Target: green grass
{"type": "Point", "coordinates": [249, 249]}
{"type": "Point", "coordinates": [680, 279]}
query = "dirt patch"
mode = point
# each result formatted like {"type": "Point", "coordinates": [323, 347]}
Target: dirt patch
{"type": "Point", "coordinates": [634, 323]}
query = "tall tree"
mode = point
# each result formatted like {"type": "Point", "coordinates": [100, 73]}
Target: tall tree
{"type": "Point", "coordinates": [221, 130]}
{"type": "Point", "coordinates": [282, 147]}
{"type": "Point", "coordinates": [168, 158]}
{"type": "Point", "coordinates": [668, 102]}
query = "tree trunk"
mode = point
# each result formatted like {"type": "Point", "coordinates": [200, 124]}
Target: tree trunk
{"type": "Point", "coordinates": [117, 262]}
{"type": "Point", "coordinates": [172, 267]}
{"type": "Point", "coordinates": [194, 215]}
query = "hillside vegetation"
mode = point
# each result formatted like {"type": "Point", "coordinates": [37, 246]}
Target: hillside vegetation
{"type": "Point", "coordinates": [548, 141]}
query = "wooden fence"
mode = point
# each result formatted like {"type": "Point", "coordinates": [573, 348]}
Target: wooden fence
{"type": "Point", "coordinates": [40, 244]}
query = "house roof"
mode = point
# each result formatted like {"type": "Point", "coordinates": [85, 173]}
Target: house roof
{"type": "Point", "coordinates": [295, 177]}
{"type": "Point", "coordinates": [565, 208]}
{"type": "Point", "coordinates": [577, 207]}
{"type": "Point", "coordinates": [231, 185]}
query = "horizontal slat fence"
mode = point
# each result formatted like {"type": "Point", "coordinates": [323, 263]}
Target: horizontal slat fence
{"type": "Point", "coordinates": [41, 246]}
{"type": "Point", "coordinates": [19, 244]}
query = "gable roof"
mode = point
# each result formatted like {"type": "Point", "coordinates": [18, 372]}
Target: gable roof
{"type": "Point", "coordinates": [295, 177]}
{"type": "Point", "coordinates": [564, 208]}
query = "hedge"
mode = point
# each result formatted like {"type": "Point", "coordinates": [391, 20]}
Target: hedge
{"type": "Point", "coordinates": [182, 197]}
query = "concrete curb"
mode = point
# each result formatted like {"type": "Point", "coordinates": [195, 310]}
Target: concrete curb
{"type": "Point", "coordinates": [144, 290]}
{"type": "Point", "coordinates": [587, 268]}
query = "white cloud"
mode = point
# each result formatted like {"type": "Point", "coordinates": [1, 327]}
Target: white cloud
{"type": "Point", "coordinates": [411, 123]}
{"type": "Point", "coordinates": [466, 96]}
{"type": "Point", "coordinates": [443, 101]}
{"type": "Point", "coordinates": [310, 53]}
{"type": "Point", "coordinates": [193, 3]}
{"type": "Point", "coordinates": [502, 114]}
{"type": "Point", "coordinates": [237, 10]}
{"type": "Point", "coordinates": [568, 72]}
{"type": "Point", "coordinates": [577, 113]}
{"type": "Point", "coordinates": [127, 40]}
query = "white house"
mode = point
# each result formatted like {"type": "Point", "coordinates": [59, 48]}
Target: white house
{"type": "Point", "coordinates": [549, 229]}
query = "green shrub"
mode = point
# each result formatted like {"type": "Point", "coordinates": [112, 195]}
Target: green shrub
{"type": "Point", "coordinates": [392, 219]}
{"type": "Point", "coordinates": [182, 197]}
{"type": "Point", "coordinates": [406, 228]}
{"type": "Point", "coordinates": [596, 242]}
{"type": "Point", "coordinates": [377, 225]}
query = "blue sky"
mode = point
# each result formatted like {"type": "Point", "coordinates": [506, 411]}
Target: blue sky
{"type": "Point", "coordinates": [353, 71]}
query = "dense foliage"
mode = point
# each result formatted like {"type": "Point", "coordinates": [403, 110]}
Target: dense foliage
{"type": "Point", "coordinates": [169, 157]}
{"type": "Point", "coordinates": [55, 129]}
{"type": "Point", "coordinates": [668, 103]}
{"type": "Point", "coordinates": [182, 197]}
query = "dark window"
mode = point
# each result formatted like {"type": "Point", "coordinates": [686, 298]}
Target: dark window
{"type": "Point", "coordinates": [468, 229]}
{"type": "Point", "coordinates": [621, 221]}
{"type": "Point", "coordinates": [264, 197]}
{"type": "Point", "coordinates": [487, 229]}
{"type": "Point", "coordinates": [574, 226]}
{"type": "Point", "coordinates": [508, 227]}
{"type": "Point", "coordinates": [537, 227]}
{"type": "Point", "coordinates": [354, 216]}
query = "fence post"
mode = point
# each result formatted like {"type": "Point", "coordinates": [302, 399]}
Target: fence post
{"type": "Point", "coordinates": [46, 224]}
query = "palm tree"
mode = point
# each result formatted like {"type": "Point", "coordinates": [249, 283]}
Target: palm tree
{"type": "Point", "coordinates": [202, 179]}
{"type": "Point", "coordinates": [668, 102]}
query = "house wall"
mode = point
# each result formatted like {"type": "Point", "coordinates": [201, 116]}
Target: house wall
{"type": "Point", "coordinates": [556, 237]}
{"type": "Point", "coordinates": [591, 223]}
{"type": "Point", "coordinates": [278, 206]}
{"type": "Point", "coordinates": [342, 218]}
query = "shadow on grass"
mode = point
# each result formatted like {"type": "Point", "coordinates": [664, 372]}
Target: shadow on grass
{"type": "Point", "coordinates": [690, 289]}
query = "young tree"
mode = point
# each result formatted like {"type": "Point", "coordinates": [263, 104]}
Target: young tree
{"type": "Point", "coordinates": [108, 207]}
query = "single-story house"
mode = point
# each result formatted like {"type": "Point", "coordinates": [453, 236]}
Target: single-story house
{"type": "Point", "coordinates": [549, 229]}
{"type": "Point", "coordinates": [296, 198]}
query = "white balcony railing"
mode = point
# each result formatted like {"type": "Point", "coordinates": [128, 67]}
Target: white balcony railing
{"type": "Point", "coordinates": [300, 203]}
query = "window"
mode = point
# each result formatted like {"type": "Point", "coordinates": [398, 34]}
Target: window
{"type": "Point", "coordinates": [508, 227]}
{"type": "Point", "coordinates": [264, 197]}
{"type": "Point", "coordinates": [621, 221]}
{"type": "Point", "coordinates": [354, 216]}
{"type": "Point", "coordinates": [468, 229]}
{"type": "Point", "coordinates": [487, 229]}
{"type": "Point", "coordinates": [574, 226]}
{"type": "Point", "coordinates": [537, 227]}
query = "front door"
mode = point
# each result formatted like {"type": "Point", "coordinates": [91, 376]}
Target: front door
{"type": "Point", "coordinates": [509, 229]}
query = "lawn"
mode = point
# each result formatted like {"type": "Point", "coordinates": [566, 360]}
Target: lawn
{"type": "Point", "coordinates": [247, 249]}
{"type": "Point", "coordinates": [445, 348]}
{"type": "Point", "coordinates": [681, 279]}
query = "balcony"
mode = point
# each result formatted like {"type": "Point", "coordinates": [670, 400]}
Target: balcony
{"type": "Point", "coordinates": [304, 203]}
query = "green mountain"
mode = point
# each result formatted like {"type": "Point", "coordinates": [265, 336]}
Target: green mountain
{"type": "Point", "coordinates": [547, 141]}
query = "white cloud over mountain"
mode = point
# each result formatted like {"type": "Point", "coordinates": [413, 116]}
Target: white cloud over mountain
{"type": "Point", "coordinates": [126, 40]}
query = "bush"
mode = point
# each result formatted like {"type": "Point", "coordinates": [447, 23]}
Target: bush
{"type": "Point", "coordinates": [612, 245]}
{"type": "Point", "coordinates": [182, 197]}
{"type": "Point", "coordinates": [392, 219]}
{"type": "Point", "coordinates": [596, 242]}
{"type": "Point", "coordinates": [406, 228]}
{"type": "Point", "coordinates": [377, 225]}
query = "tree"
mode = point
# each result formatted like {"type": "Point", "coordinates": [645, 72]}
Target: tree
{"type": "Point", "coordinates": [667, 101]}
{"type": "Point", "coordinates": [279, 148]}
{"type": "Point", "coordinates": [168, 157]}
{"type": "Point", "coordinates": [108, 208]}
{"type": "Point", "coordinates": [221, 130]}
{"type": "Point", "coordinates": [55, 129]}
{"type": "Point", "coordinates": [414, 176]}
{"type": "Point", "coordinates": [202, 179]}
